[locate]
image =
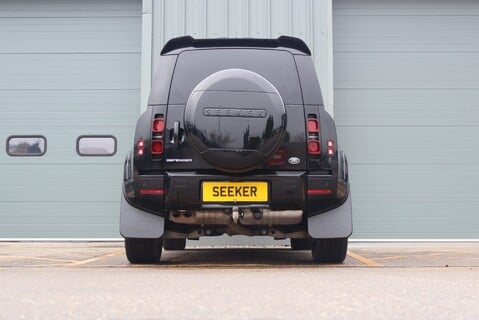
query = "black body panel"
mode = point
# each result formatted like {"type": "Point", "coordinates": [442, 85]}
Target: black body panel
{"type": "Point", "coordinates": [180, 155]}
{"type": "Point", "coordinates": [298, 179]}
{"type": "Point", "coordinates": [287, 191]}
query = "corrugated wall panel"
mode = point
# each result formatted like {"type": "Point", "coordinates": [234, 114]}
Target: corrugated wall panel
{"type": "Point", "coordinates": [236, 11]}
{"type": "Point", "coordinates": [68, 68]}
{"type": "Point", "coordinates": [406, 94]}
{"type": "Point", "coordinates": [195, 24]}
{"type": "Point", "coordinates": [217, 16]}
{"type": "Point", "coordinates": [259, 25]}
{"type": "Point", "coordinates": [246, 18]}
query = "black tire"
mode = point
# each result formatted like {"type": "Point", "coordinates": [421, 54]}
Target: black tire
{"type": "Point", "coordinates": [329, 250]}
{"type": "Point", "coordinates": [143, 250]}
{"type": "Point", "coordinates": [174, 244]}
{"type": "Point", "coordinates": [301, 244]}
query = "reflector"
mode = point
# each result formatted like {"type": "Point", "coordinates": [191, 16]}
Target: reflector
{"type": "Point", "coordinates": [152, 191]}
{"type": "Point", "coordinates": [279, 158]}
{"type": "Point", "coordinates": [319, 191]}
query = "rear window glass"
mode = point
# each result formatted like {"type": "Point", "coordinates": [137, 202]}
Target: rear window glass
{"type": "Point", "coordinates": [275, 65]}
{"type": "Point", "coordinates": [26, 145]}
{"type": "Point", "coordinates": [96, 145]}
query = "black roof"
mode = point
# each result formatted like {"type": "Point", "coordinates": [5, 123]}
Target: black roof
{"type": "Point", "coordinates": [282, 41]}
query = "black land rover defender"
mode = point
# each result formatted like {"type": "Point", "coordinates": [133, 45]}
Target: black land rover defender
{"type": "Point", "coordinates": [235, 140]}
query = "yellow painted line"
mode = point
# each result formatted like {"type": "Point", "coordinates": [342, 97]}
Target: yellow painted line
{"type": "Point", "coordinates": [366, 261]}
{"type": "Point", "coordinates": [390, 258]}
{"type": "Point", "coordinates": [36, 258]}
{"type": "Point", "coordinates": [86, 261]}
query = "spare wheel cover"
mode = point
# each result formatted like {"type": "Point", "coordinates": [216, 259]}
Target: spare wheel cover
{"type": "Point", "coordinates": [235, 119]}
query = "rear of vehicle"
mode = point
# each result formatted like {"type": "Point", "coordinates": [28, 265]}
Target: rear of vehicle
{"type": "Point", "coordinates": [235, 141]}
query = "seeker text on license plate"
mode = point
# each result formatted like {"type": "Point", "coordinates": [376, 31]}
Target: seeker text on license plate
{"type": "Point", "coordinates": [223, 191]}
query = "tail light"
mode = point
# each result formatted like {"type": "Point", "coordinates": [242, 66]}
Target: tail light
{"type": "Point", "coordinates": [314, 147]}
{"type": "Point", "coordinates": [158, 125]}
{"type": "Point", "coordinates": [157, 128]}
{"type": "Point", "coordinates": [157, 147]}
{"type": "Point", "coordinates": [312, 125]}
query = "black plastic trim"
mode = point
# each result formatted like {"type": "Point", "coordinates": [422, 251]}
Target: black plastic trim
{"type": "Point", "coordinates": [282, 41]}
{"type": "Point", "coordinates": [329, 208]}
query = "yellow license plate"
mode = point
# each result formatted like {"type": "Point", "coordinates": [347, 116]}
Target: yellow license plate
{"type": "Point", "coordinates": [223, 191]}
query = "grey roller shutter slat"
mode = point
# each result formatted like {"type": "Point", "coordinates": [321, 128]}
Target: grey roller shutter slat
{"type": "Point", "coordinates": [69, 68]}
{"type": "Point", "coordinates": [406, 93]}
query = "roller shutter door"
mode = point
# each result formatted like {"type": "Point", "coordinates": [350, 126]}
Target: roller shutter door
{"type": "Point", "coordinates": [406, 102]}
{"type": "Point", "coordinates": [68, 68]}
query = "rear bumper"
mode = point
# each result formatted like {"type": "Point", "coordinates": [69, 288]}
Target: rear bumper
{"type": "Point", "coordinates": [288, 190]}
{"type": "Point", "coordinates": [185, 191]}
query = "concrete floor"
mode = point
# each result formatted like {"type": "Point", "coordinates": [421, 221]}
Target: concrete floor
{"type": "Point", "coordinates": [377, 281]}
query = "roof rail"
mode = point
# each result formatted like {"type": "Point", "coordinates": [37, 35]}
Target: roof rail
{"type": "Point", "coordinates": [282, 41]}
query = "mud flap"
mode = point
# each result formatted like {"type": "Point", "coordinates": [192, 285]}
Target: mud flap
{"type": "Point", "coordinates": [135, 223]}
{"type": "Point", "coordinates": [337, 223]}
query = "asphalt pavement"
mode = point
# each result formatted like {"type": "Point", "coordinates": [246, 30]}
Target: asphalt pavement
{"type": "Point", "coordinates": [65, 280]}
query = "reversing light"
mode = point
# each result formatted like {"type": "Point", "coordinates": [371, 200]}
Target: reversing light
{"type": "Point", "coordinates": [140, 147]}
{"type": "Point", "coordinates": [314, 147]}
{"type": "Point", "coordinates": [157, 146]}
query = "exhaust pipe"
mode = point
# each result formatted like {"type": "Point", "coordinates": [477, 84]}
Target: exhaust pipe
{"type": "Point", "coordinates": [257, 216]}
{"type": "Point", "coordinates": [247, 217]}
{"type": "Point", "coordinates": [201, 217]}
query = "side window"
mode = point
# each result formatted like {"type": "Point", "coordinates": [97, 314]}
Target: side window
{"type": "Point", "coordinates": [96, 145]}
{"type": "Point", "coordinates": [26, 146]}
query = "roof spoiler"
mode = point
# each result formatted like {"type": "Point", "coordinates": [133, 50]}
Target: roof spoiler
{"type": "Point", "coordinates": [282, 41]}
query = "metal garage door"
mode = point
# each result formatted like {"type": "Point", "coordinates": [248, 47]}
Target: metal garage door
{"type": "Point", "coordinates": [68, 68]}
{"type": "Point", "coordinates": [406, 100]}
